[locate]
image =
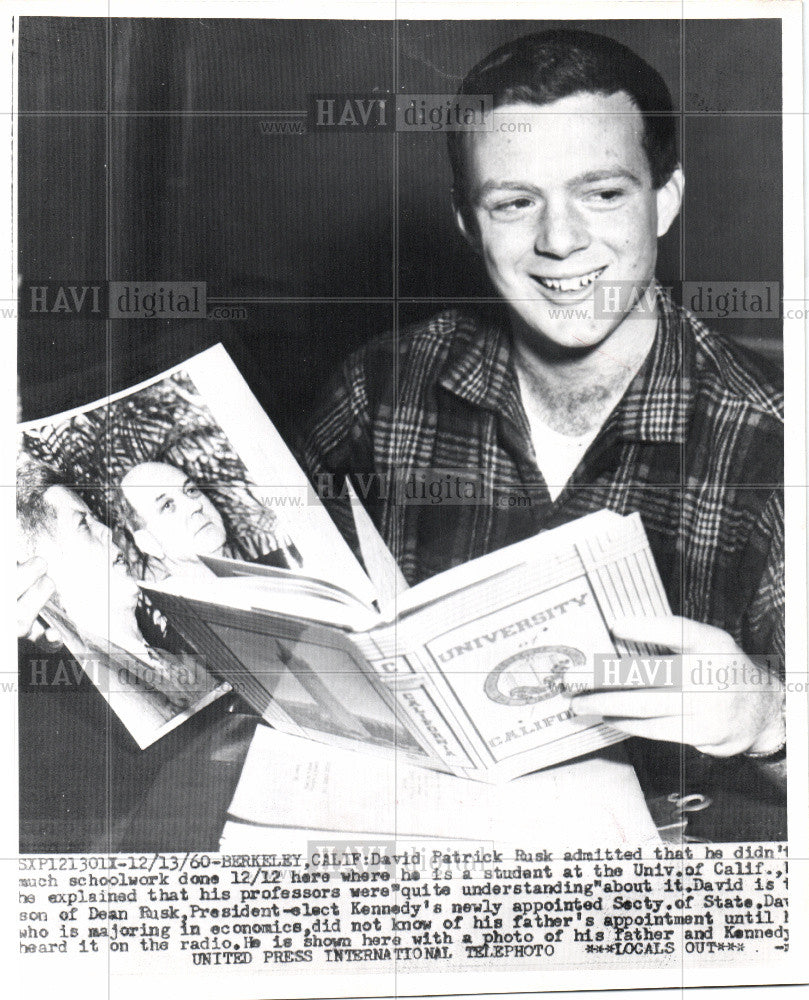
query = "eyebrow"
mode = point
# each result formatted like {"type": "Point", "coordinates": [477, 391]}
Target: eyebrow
{"type": "Point", "coordinates": [609, 174]}
{"type": "Point", "coordinates": [184, 487]}
{"type": "Point", "coordinates": [591, 177]}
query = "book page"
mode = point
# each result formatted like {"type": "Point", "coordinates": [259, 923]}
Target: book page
{"type": "Point", "coordinates": [504, 655]}
{"type": "Point", "coordinates": [286, 783]}
{"type": "Point", "coordinates": [500, 562]}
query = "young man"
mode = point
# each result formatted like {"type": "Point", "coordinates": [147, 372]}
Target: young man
{"type": "Point", "coordinates": [563, 407]}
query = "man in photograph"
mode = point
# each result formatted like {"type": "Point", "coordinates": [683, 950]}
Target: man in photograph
{"type": "Point", "coordinates": [93, 599]}
{"type": "Point", "coordinates": [174, 522]}
{"type": "Point", "coordinates": [565, 407]}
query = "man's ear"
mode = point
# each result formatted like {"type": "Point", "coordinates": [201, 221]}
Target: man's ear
{"type": "Point", "coordinates": [669, 199]}
{"type": "Point", "coordinates": [148, 544]}
{"type": "Point", "coordinates": [465, 220]}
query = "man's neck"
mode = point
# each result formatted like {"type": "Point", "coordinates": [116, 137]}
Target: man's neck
{"type": "Point", "coordinates": [574, 393]}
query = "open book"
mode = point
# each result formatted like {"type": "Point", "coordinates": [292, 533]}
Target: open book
{"type": "Point", "coordinates": [470, 672]}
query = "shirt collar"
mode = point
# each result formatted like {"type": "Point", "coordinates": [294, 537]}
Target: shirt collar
{"type": "Point", "coordinates": [655, 407]}
{"type": "Point", "coordinates": [478, 364]}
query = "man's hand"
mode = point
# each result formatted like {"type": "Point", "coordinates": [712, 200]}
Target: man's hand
{"type": "Point", "coordinates": [727, 704]}
{"type": "Point", "coordinates": [34, 588]}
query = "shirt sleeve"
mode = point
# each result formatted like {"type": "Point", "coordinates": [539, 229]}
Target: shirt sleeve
{"type": "Point", "coordinates": [338, 443]}
{"type": "Point", "coordinates": [763, 626]}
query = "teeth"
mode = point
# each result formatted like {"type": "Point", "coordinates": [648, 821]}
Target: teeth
{"type": "Point", "coordinates": [570, 284]}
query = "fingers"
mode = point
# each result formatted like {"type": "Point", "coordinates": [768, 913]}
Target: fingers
{"type": "Point", "coordinates": [717, 723]}
{"type": "Point", "coordinates": [28, 573]}
{"type": "Point", "coordinates": [682, 730]}
{"type": "Point", "coordinates": [636, 703]}
{"type": "Point", "coordinates": [34, 589]}
{"type": "Point", "coordinates": [720, 720]}
{"type": "Point", "coordinates": [668, 729]}
{"type": "Point", "coordinates": [36, 633]}
{"type": "Point", "coordinates": [648, 712]}
{"type": "Point", "coordinates": [681, 635]}
{"type": "Point", "coordinates": [47, 638]}
{"type": "Point", "coordinates": [52, 636]}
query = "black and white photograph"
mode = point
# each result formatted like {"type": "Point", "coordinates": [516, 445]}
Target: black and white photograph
{"type": "Point", "coordinates": [410, 492]}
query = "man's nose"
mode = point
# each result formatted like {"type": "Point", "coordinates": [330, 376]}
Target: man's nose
{"type": "Point", "coordinates": [561, 231]}
{"type": "Point", "coordinates": [193, 505]}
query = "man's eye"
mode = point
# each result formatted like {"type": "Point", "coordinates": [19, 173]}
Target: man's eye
{"type": "Point", "coordinates": [166, 506]}
{"type": "Point", "coordinates": [606, 196]}
{"type": "Point", "coordinates": [513, 206]}
{"type": "Point", "coordinates": [192, 491]}
{"type": "Point", "coordinates": [119, 560]}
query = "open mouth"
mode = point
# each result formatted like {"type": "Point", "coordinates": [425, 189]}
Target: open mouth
{"type": "Point", "coordinates": [573, 284]}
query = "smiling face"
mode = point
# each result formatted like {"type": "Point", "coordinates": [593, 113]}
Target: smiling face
{"type": "Point", "coordinates": [562, 204]}
{"type": "Point", "coordinates": [180, 521]}
{"type": "Point", "coordinates": [87, 568]}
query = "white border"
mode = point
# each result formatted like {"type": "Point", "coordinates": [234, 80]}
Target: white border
{"type": "Point", "coordinates": [90, 980]}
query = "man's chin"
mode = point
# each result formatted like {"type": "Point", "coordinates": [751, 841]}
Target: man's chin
{"type": "Point", "coordinates": [563, 339]}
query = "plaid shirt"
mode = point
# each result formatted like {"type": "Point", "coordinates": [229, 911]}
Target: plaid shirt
{"type": "Point", "coordinates": [695, 445]}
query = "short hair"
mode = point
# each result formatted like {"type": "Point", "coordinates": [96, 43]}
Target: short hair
{"type": "Point", "coordinates": [34, 513]}
{"type": "Point", "coordinates": [543, 67]}
{"type": "Point", "coordinates": [127, 520]}
{"type": "Point", "coordinates": [123, 511]}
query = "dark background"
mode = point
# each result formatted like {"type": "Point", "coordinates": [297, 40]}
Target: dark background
{"type": "Point", "coordinates": [141, 157]}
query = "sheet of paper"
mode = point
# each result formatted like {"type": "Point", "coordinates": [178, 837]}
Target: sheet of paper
{"type": "Point", "coordinates": [292, 782]}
